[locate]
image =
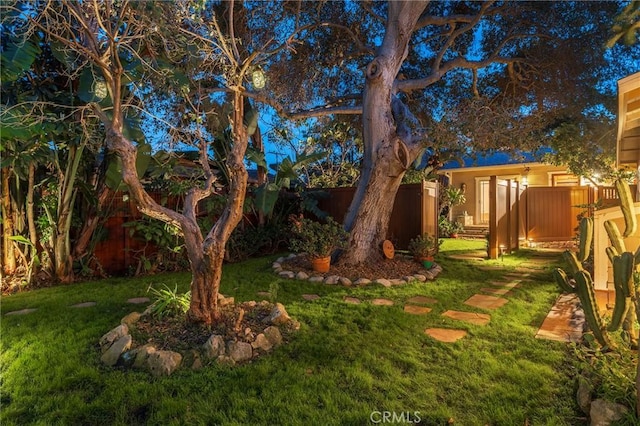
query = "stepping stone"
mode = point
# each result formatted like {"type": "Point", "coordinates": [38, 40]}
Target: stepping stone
{"type": "Point", "coordinates": [471, 317]}
{"type": "Point", "coordinates": [490, 268]}
{"type": "Point", "coordinates": [505, 284]}
{"type": "Point", "coordinates": [565, 321]}
{"type": "Point", "coordinates": [485, 302]}
{"type": "Point", "coordinates": [421, 300]}
{"type": "Point", "coordinates": [310, 297]}
{"type": "Point", "coordinates": [263, 294]}
{"type": "Point", "coordinates": [84, 305]}
{"type": "Point", "coordinates": [416, 310]}
{"type": "Point", "coordinates": [22, 311]}
{"type": "Point", "coordinates": [446, 335]}
{"type": "Point", "coordinates": [139, 300]}
{"type": "Point", "coordinates": [352, 300]}
{"type": "Point", "coordinates": [382, 302]}
{"type": "Point", "coordinates": [500, 291]}
{"type": "Point", "coordinates": [516, 276]}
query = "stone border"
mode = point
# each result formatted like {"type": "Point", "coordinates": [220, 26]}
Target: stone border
{"type": "Point", "coordinates": [116, 345]}
{"type": "Point", "coordinates": [422, 276]}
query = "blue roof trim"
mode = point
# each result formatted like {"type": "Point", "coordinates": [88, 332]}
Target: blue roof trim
{"type": "Point", "coordinates": [496, 159]}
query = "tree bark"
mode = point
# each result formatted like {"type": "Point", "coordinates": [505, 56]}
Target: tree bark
{"type": "Point", "coordinates": [390, 145]}
{"type": "Point", "coordinates": [8, 252]}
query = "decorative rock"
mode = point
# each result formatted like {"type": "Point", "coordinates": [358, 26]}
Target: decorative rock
{"type": "Point", "coordinates": [111, 336]}
{"type": "Point", "coordinates": [429, 275]}
{"type": "Point", "coordinates": [292, 255]}
{"type": "Point", "coordinates": [273, 335]}
{"type": "Point", "coordinates": [437, 269]}
{"type": "Point", "coordinates": [397, 281]}
{"type": "Point", "coordinates": [278, 315]}
{"type": "Point", "coordinates": [277, 270]}
{"type": "Point", "coordinates": [583, 395]}
{"type": "Point", "coordinates": [352, 300]}
{"type": "Point", "coordinates": [112, 354]}
{"type": "Point", "coordinates": [420, 277]}
{"type": "Point", "coordinates": [225, 301]}
{"type": "Point", "coordinates": [362, 281]}
{"type": "Point", "coordinates": [603, 412]}
{"type": "Point", "coordinates": [383, 282]}
{"type": "Point", "coordinates": [131, 319]}
{"type": "Point", "coordinates": [197, 361]}
{"type": "Point", "coordinates": [280, 260]}
{"type": "Point", "coordinates": [345, 281]}
{"type": "Point", "coordinates": [332, 280]}
{"type": "Point", "coordinates": [142, 354]}
{"type": "Point", "coordinates": [226, 360]}
{"type": "Point", "coordinates": [287, 274]}
{"type": "Point", "coordinates": [214, 346]}
{"type": "Point", "coordinates": [408, 278]}
{"type": "Point", "coordinates": [239, 351]}
{"type": "Point", "coordinates": [276, 265]}
{"type": "Point", "coordinates": [262, 343]}
{"type": "Point", "coordinates": [163, 363]}
{"type": "Point", "coordinates": [302, 276]}
{"type": "Point", "coordinates": [316, 279]}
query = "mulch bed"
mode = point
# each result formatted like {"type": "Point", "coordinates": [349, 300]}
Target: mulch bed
{"type": "Point", "coordinates": [397, 267]}
{"type": "Point", "coordinates": [175, 333]}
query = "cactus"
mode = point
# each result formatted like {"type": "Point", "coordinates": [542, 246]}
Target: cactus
{"type": "Point", "coordinates": [621, 276]}
{"type": "Point", "coordinates": [626, 311]}
{"type": "Point", "coordinates": [575, 265]}
{"type": "Point", "coordinates": [563, 280]}
{"type": "Point", "coordinates": [614, 236]}
{"type": "Point", "coordinates": [586, 238]}
{"type": "Point", "coordinates": [627, 207]}
{"type": "Point", "coordinates": [587, 295]}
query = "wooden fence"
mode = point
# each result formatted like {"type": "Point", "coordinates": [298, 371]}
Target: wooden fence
{"type": "Point", "coordinates": [415, 211]}
{"type": "Point", "coordinates": [551, 213]}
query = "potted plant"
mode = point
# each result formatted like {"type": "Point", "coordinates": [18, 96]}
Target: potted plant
{"type": "Point", "coordinates": [318, 240]}
{"type": "Point", "coordinates": [423, 247]}
{"type": "Point", "coordinates": [449, 228]}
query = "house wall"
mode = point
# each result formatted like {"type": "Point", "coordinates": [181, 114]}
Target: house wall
{"type": "Point", "coordinates": [603, 274]}
{"type": "Point", "coordinates": [537, 175]}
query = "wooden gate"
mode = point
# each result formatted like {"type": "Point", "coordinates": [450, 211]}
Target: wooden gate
{"type": "Point", "coordinates": [504, 216]}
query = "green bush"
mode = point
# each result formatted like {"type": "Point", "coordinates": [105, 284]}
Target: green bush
{"type": "Point", "coordinates": [318, 239]}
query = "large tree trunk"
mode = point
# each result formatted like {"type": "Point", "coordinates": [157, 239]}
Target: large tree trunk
{"type": "Point", "coordinates": [204, 295]}
{"type": "Point", "coordinates": [8, 251]}
{"type": "Point", "coordinates": [390, 145]}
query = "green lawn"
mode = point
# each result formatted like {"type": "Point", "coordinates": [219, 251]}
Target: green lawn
{"type": "Point", "coordinates": [347, 361]}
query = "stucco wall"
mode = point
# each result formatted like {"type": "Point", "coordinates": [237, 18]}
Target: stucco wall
{"type": "Point", "coordinates": [538, 175]}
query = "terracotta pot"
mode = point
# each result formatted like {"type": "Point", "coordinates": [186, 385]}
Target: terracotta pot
{"type": "Point", "coordinates": [321, 264]}
{"type": "Point", "coordinates": [426, 261]}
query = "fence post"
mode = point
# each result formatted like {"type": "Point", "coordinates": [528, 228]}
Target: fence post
{"type": "Point", "coordinates": [493, 217]}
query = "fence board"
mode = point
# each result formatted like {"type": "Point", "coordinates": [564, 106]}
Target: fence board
{"type": "Point", "coordinates": [415, 210]}
{"type": "Point", "coordinates": [551, 212]}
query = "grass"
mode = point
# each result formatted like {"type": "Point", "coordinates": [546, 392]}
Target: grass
{"type": "Point", "coordinates": [346, 362]}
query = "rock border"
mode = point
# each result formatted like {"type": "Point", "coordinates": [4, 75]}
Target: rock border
{"type": "Point", "coordinates": [117, 348]}
{"type": "Point", "coordinates": [422, 275]}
